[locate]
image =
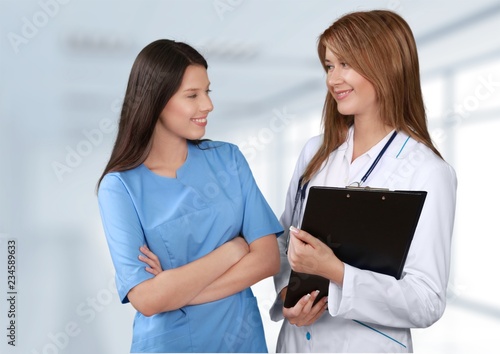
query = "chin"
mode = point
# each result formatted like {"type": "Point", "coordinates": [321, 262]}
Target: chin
{"type": "Point", "coordinates": [195, 136]}
{"type": "Point", "coordinates": [345, 112]}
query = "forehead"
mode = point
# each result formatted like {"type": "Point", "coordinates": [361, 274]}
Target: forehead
{"type": "Point", "coordinates": [330, 55]}
{"type": "Point", "coordinates": [195, 77]}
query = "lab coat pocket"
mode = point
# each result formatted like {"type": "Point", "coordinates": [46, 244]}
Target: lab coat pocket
{"type": "Point", "coordinates": [380, 338]}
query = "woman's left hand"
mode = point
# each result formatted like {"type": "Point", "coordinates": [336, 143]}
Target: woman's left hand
{"type": "Point", "coordinates": [307, 254]}
{"type": "Point", "coordinates": [148, 257]}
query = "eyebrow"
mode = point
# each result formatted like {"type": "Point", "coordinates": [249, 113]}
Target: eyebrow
{"type": "Point", "coordinates": [196, 89]}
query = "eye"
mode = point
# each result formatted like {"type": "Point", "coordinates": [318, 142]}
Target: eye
{"type": "Point", "coordinates": [208, 91]}
{"type": "Point", "coordinates": [329, 67]}
{"type": "Point", "coordinates": [344, 65]}
{"type": "Point", "coordinates": [193, 96]}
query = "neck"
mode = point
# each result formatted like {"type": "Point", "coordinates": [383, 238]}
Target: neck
{"type": "Point", "coordinates": [367, 133]}
{"type": "Point", "coordinates": [166, 156]}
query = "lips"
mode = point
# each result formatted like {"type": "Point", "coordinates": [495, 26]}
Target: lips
{"type": "Point", "coordinates": [200, 121]}
{"type": "Point", "coordinates": [339, 95]}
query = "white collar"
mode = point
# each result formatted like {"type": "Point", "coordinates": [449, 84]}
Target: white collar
{"type": "Point", "coordinates": [348, 145]}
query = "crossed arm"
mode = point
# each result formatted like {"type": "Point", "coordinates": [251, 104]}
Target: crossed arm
{"type": "Point", "coordinates": [225, 271]}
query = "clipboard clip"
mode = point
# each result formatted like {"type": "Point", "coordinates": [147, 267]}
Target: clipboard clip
{"type": "Point", "coordinates": [357, 186]}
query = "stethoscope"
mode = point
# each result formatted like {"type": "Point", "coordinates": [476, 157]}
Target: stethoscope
{"type": "Point", "coordinates": [377, 159]}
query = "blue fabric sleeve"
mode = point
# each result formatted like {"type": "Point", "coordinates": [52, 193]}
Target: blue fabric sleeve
{"type": "Point", "coordinates": [124, 234]}
{"type": "Point", "coordinates": [258, 218]}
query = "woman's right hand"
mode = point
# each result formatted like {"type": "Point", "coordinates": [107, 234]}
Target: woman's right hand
{"type": "Point", "coordinates": [304, 313]}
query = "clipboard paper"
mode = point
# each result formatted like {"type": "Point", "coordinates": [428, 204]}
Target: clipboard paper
{"type": "Point", "coordinates": [367, 228]}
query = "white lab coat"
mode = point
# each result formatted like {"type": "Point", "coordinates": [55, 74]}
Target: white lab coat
{"type": "Point", "coordinates": [373, 312]}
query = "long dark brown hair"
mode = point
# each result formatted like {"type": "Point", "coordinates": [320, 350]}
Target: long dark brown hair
{"type": "Point", "coordinates": [155, 77]}
{"type": "Point", "coordinates": [379, 45]}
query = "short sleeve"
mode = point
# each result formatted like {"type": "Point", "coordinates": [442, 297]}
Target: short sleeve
{"type": "Point", "coordinates": [258, 218]}
{"type": "Point", "coordinates": [124, 234]}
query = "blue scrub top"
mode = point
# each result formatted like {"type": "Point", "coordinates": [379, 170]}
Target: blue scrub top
{"type": "Point", "coordinates": [213, 199]}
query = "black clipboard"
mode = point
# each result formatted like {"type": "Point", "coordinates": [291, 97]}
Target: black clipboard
{"type": "Point", "coordinates": [367, 228]}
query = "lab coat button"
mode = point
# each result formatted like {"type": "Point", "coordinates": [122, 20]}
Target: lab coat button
{"type": "Point", "coordinates": [308, 336]}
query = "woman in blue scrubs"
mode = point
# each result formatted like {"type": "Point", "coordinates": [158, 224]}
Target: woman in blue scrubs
{"type": "Point", "coordinates": [191, 205]}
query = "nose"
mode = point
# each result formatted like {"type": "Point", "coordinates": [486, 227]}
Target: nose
{"type": "Point", "coordinates": [207, 105]}
{"type": "Point", "coordinates": [334, 77]}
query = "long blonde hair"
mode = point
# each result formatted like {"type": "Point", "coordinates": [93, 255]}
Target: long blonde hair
{"type": "Point", "coordinates": [379, 45]}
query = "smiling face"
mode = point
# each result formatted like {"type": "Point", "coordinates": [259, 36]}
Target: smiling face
{"type": "Point", "coordinates": [185, 114]}
{"type": "Point", "coordinates": [354, 94]}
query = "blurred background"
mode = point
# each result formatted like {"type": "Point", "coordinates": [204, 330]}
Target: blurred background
{"type": "Point", "coordinates": [64, 66]}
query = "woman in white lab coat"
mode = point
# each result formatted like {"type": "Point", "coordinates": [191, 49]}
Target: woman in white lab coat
{"type": "Point", "coordinates": [373, 111]}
